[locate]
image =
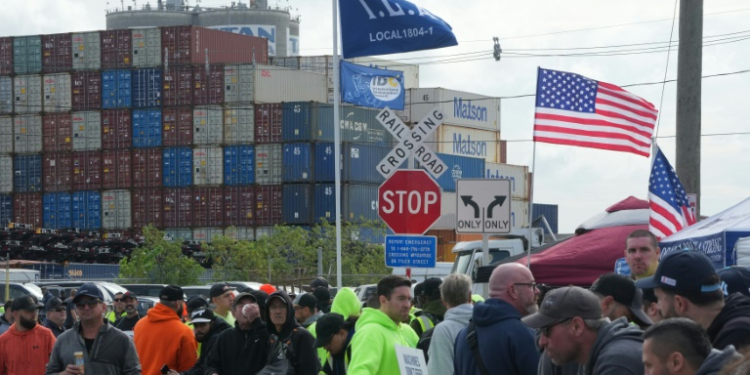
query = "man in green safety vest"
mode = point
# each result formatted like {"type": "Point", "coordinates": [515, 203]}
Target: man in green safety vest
{"type": "Point", "coordinates": [118, 308]}
{"type": "Point", "coordinates": [433, 309]}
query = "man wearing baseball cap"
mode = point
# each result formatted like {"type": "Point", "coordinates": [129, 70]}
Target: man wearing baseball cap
{"type": "Point", "coordinates": [127, 323]}
{"type": "Point", "coordinates": [620, 298]}
{"type": "Point", "coordinates": [687, 285]}
{"type": "Point", "coordinates": [26, 346]}
{"type": "Point", "coordinates": [433, 309]}
{"type": "Point", "coordinates": [334, 334]}
{"type": "Point", "coordinates": [572, 329]}
{"type": "Point", "coordinates": [306, 309]}
{"type": "Point", "coordinates": [222, 296]}
{"type": "Point", "coordinates": [55, 310]}
{"type": "Point", "coordinates": [207, 329]}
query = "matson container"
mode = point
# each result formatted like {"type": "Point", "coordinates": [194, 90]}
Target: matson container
{"type": "Point", "coordinates": [27, 134]}
{"type": "Point", "coordinates": [207, 235]}
{"type": "Point", "coordinates": [116, 169]}
{"type": "Point", "coordinates": [459, 140]}
{"type": "Point", "coordinates": [208, 166]}
{"type": "Point", "coordinates": [6, 210]}
{"type": "Point", "coordinates": [517, 174]}
{"type": "Point", "coordinates": [274, 84]}
{"type": "Point", "coordinates": [268, 208]}
{"type": "Point", "coordinates": [6, 170]}
{"type": "Point", "coordinates": [57, 132]}
{"type": "Point", "coordinates": [6, 129]}
{"type": "Point", "coordinates": [57, 171]}
{"type": "Point", "coordinates": [87, 51]}
{"type": "Point", "coordinates": [268, 162]}
{"type": "Point", "coordinates": [147, 51]}
{"type": "Point", "coordinates": [116, 89]}
{"type": "Point", "coordinates": [208, 85]}
{"type": "Point", "coordinates": [6, 94]}
{"type": "Point", "coordinates": [458, 107]}
{"type": "Point", "coordinates": [208, 207]}
{"type": "Point", "coordinates": [147, 127]}
{"type": "Point", "coordinates": [27, 93]}
{"type": "Point", "coordinates": [239, 206]}
{"type": "Point", "coordinates": [178, 126]}
{"type": "Point", "coordinates": [239, 124]}
{"type": "Point", "coordinates": [87, 130]}
{"type": "Point", "coordinates": [147, 208]}
{"type": "Point", "coordinates": [117, 128]}
{"type": "Point", "coordinates": [57, 92]}
{"type": "Point", "coordinates": [27, 209]}
{"type": "Point", "coordinates": [147, 85]}
{"type": "Point", "coordinates": [235, 233]}
{"type": "Point", "coordinates": [268, 120]}
{"type": "Point", "coordinates": [116, 49]}
{"type": "Point", "coordinates": [458, 167]}
{"type": "Point", "coordinates": [87, 210]}
{"type": "Point", "coordinates": [239, 165]}
{"type": "Point", "coordinates": [6, 56]}
{"type": "Point", "coordinates": [147, 168]}
{"type": "Point", "coordinates": [178, 166]}
{"type": "Point", "coordinates": [188, 45]}
{"type": "Point", "coordinates": [208, 125]}
{"type": "Point", "coordinates": [298, 204]}
{"type": "Point", "coordinates": [360, 202]}
{"type": "Point", "coordinates": [56, 210]}
{"type": "Point", "coordinates": [57, 53]}
{"type": "Point", "coordinates": [87, 170]}
{"type": "Point", "coordinates": [177, 86]}
{"type": "Point", "coordinates": [116, 209]}
{"type": "Point", "coordinates": [178, 210]}
{"type": "Point", "coordinates": [86, 91]}
{"type": "Point", "coordinates": [27, 54]}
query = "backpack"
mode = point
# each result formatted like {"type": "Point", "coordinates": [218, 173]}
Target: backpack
{"type": "Point", "coordinates": [424, 342]}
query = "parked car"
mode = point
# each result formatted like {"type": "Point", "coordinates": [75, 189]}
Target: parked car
{"type": "Point", "coordinates": [108, 289]}
{"type": "Point", "coordinates": [242, 285]}
{"type": "Point", "coordinates": [145, 303]}
{"type": "Point", "coordinates": [194, 290]}
{"type": "Point", "coordinates": [151, 290]}
{"type": "Point", "coordinates": [20, 289]}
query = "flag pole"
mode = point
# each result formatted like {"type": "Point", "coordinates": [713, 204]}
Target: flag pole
{"type": "Point", "coordinates": [531, 189]}
{"type": "Point", "coordinates": [337, 141]}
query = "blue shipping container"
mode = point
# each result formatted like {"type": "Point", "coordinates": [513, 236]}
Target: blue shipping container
{"type": "Point", "coordinates": [360, 202]}
{"type": "Point", "coordinates": [147, 85]}
{"type": "Point", "coordinates": [297, 205]}
{"type": "Point", "coordinates": [87, 210]}
{"type": "Point", "coordinates": [116, 91]}
{"type": "Point", "coordinates": [239, 165]}
{"type": "Point", "coordinates": [27, 173]}
{"type": "Point", "coordinates": [178, 166]}
{"type": "Point", "coordinates": [297, 162]}
{"type": "Point", "coordinates": [56, 210]}
{"type": "Point", "coordinates": [6, 209]}
{"type": "Point", "coordinates": [310, 121]}
{"type": "Point", "coordinates": [147, 125]}
{"type": "Point", "coordinates": [458, 167]}
{"type": "Point", "coordinates": [550, 212]}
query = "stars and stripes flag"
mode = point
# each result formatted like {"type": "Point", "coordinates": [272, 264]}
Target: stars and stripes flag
{"type": "Point", "coordinates": [670, 208]}
{"type": "Point", "coordinates": [578, 111]}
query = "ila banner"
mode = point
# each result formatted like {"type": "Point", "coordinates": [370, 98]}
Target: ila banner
{"type": "Point", "coordinates": [372, 87]}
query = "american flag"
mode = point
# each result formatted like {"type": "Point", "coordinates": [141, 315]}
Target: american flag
{"type": "Point", "coordinates": [574, 110]}
{"type": "Point", "coordinates": [670, 209]}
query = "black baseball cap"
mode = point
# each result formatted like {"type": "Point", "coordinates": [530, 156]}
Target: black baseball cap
{"type": "Point", "coordinates": [172, 293]}
{"type": "Point", "coordinates": [89, 290]}
{"type": "Point", "coordinates": [129, 294]}
{"type": "Point", "coordinates": [307, 300]}
{"type": "Point", "coordinates": [219, 289]}
{"type": "Point", "coordinates": [196, 302]}
{"type": "Point", "coordinates": [565, 303]}
{"type": "Point", "coordinates": [242, 296]}
{"type": "Point", "coordinates": [26, 302]}
{"type": "Point", "coordinates": [53, 304]}
{"type": "Point", "coordinates": [202, 316]}
{"type": "Point", "coordinates": [431, 287]}
{"type": "Point", "coordinates": [622, 289]}
{"type": "Point", "coordinates": [318, 282]}
{"type": "Point", "coordinates": [688, 272]}
{"type": "Point", "coordinates": [737, 280]}
{"type": "Point", "coordinates": [326, 327]}
{"type": "Point", "coordinates": [322, 294]}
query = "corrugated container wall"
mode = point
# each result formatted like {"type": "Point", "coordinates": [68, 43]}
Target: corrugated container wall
{"type": "Point", "coordinates": [6, 95]}
{"type": "Point", "coordinates": [298, 204]}
{"type": "Point", "coordinates": [297, 163]}
{"type": "Point", "coordinates": [308, 121]}
{"type": "Point", "coordinates": [459, 140]}
{"type": "Point", "coordinates": [208, 125]}
{"type": "Point", "coordinates": [116, 209]}
{"type": "Point", "coordinates": [147, 208]}
{"type": "Point", "coordinates": [6, 56]}
{"type": "Point", "coordinates": [87, 130]}
{"type": "Point", "coordinates": [6, 171]}
{"type": "Point", "coordinates": [27, 209]}
{"type": "Point", "coordinates": [519, 214]}
{"type": "Point", "coordinates": [27, 54]}
{"type": "Point", "coordinates": [238, 84]}
{"type": "Point", "coordinates": [187, 45]}
{"type": "Point", "coordinates": [179, 234]}
{"type": "Point", "coordinates": [56, 210]}
{"type": "Point", "coordinates": [268, 121]}
{"type": "Point", "coordinates": [87, 210]}
{"type": "Point", "coordinates": [147, 128]}
{"type": "Point", "coordinates": [360, 202]}
{"type": "Point", "coordinates": [27, 91]}
{"type": "Point", "coordinates": [235, 233]}
{"type": "Point", "coordinates": [178, 165]}
{"type": "Point", "coordinates": [178, 126]}
{"type": "Point", "coordinates": [549, 211]}
{"type": "Point", "coordinates": [147, 167]}
{"type": "Point", "coordinates": [268, 208]}
{"type": "Point", "coordinates": [261, 232]}
{"type": "Point", "coordinates": [239, 124]}
{"type": "Point", "coordinates": [57, 132]}
{"type": "Point", "coordinates": [458, 107]}
{"type": "Point", "coordinates": [239, 206]}
{"type": "Point", "coordinates": [117, 129]}
{"type": "Point", "coordinates": [291, 62]}
{"type": "Point", "coordinates": [57, 53]}
{"type": "Point", "coordinates": [458, 167]}
{"type": "Point", "coordinates": [27, 130]}
{"type": "Point", "coordinates": [87, 51]}
{"type": "Point", "coordinates": [208, 207]}
{"type": "Point", "coordinates": [178, 86]}
{"type": "Point", "coordinates": [6, 129]}
{"type": "Point", "coordinates": [116, 90]}
{"type": "Point", "coordinates": [275, 84]}
{"type": "Point", "coordinates": [208, 85]}
{"type": "Point", "coordinates": [6, 209]}
{"type": "Point", "coordinates": [146, 85]}
{"type": "Point", "coordinates": [268, 164]}
{"type": "Point", "coordinates": [57, 171]}
{"type": "Point", "coordinates": [178, 208]}
{"type": "Point", "coordinates": [208, 166]}
{"type": "Point", "coordinates": [57, 92]}
{"type": "Point", "coordinates": [87, 170]}
{"type": "Point", "coordinates": [239, 165]}
{"type": "Point", "coordinates": [116, 169]}
{"type": "Point", "coordinates": [517, 174]}
{"type": "Point", "coordinates": [207, 235]}
{"type": "Point", "coordinates": [116, 48]}
{"type": "Point", "coordinates": [86, 91]}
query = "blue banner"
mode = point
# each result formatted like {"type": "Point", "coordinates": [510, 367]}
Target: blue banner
{"type": "Point", "coordinates": [372, 87]}
{"type": "Point", "coordinates": [382, 27]}
{"type": "Point", "coordinates": [410, 251]}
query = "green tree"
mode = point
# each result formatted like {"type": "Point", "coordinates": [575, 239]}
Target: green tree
{"type": "Point", "coordinates": [238, 259]}
{"type": "Point", "coordinates": [160, 261]}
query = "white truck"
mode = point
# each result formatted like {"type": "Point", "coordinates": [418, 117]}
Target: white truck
{"type": "Point", "coordinates": [20, 275]}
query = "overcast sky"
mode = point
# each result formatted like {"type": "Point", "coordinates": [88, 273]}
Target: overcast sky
{"type": "Point", "coordinates": [582, 181]}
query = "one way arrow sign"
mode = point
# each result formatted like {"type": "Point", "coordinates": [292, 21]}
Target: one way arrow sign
{"type": "Point", "coordinates": [482, 206]}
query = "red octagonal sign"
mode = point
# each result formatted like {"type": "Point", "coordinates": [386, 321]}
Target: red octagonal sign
{"type": "Point", "coordinates": [409, 202]}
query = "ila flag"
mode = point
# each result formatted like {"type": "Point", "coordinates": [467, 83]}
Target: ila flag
{"type": "Point", "coordinates": [372, 87]}
{"type": "Point", "coordinates": [382, 27]}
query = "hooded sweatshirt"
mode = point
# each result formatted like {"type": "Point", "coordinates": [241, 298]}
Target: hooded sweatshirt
{"type": "Point", "coordinates": [505, 344]}
{"type": "Point", "coordinates": [717, 359]}
{"type": "Point", "coordinates": [373, 345]}
{"type": "Point", "coordinates": [238, 351]}
{"type": "Point", "coordinates": [434, 311]}
{"type": "Point", "coordinates": [161, 338]}
{"type": "Point", "coordinates": [732, 325]}
{"type": "Point", "coordinates": [303, 357]}
{"type": "Point", "coordinates": [444, 337]}
{"type": "Point", "coordinates": [347, 304]}
{"type": "Point", "coordinates": [25, 352]}
{"type": "Point", "coordinates": [617, 350]}
{"type": "Point", "coordinates": [218, 326]}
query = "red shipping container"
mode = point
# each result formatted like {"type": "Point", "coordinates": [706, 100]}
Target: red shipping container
{"type": "Point", "coordinates": [87, 90]}
{"type": "Point", "coordinates": [188, 44]}
{"type": "Point", "coordinates": [239, 204]}
{"type": "Point", "coordinates": [178, 208]}
{"type": "Point", "coordinates": [177, 86]}
{"type": "Point", "coordinates": [268, 119]}
{"type": "Point", "coordinates": [147, 208]}
{"type": "Point", "coordinates": [178, 126]}
{"type": "Point", "coordinates": [208, 207]}
{"type": "Point", "coordinates": [57, 171]}
{"type": "Point", "coordinates": [147, 167]}
{"type": "Point", "coordinates": [117, 129]}
{"type": "Point", "coordinates": [208, 85]}
{"type": "Point", "coordinates": [116, 169]}
{"type": "Point", "coordinates": [27, 209]}
{"type": "Point", "coordinates": [57, 131]}
{"type": "Point", "coordinates": [116, 48]}
{"type": "Point", "coordinates": [267, 205]}
{"type": "Point", "coordinates": [87, 170]}
{"type": "Point", "coordinates": [57, 53]}
{"type": "Point", "coordinates": [6, 56]}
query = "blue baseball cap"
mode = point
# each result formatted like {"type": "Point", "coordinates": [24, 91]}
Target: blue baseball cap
{"type": "Point", "coordinates": [688, 272]}
{"type": "Point", "coordinates": [89, 290]}
{"type": "Point", "coordinates": [737, 280]}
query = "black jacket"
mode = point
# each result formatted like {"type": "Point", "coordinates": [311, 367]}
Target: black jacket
{"type": "Point", "coordinates": [239, 352]}
{"type": "Point", "coordinates": [303, 356]}
{"type": "Point", "coordinates": [56, 330]}
{"type": "Point", "coordinates": [732, 325]}
{"type": "Point", "coordinates": [219, 326]}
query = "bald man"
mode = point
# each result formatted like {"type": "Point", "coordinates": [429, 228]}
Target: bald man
{"type": "Point", "coordinates": [506, 346]}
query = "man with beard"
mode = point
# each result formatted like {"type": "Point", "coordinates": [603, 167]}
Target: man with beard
{"type": "Point", "coordinates": [118, 308]}
{"type": "Point", "coordinates": [26, 346]}
{"type": "Point", "coordinates": [496, 335]}
{"type": "Point", "coordinates": [127, 322]}
{"type": "Point", "coordinates": [207, 329]}
{"type": "Point", "coordinates": [55, 310]}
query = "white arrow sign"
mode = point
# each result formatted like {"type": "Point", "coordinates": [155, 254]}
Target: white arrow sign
{"type": "Point", "coordinates": [483, 206]}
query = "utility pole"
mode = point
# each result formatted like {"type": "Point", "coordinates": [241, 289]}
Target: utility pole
{"type": "Point", "coordinates": [689, 67]}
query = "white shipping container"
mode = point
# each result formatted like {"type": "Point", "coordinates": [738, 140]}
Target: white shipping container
{"type": "Point", "coordinates": [6, 135]}
{"type": "Point", "coordinates": [517, 174]}
{"type": "Point", "coordinates": [274, 84]}
{"type": "Point", "coordinates": [238, 83]}
{"type": "Point", "coordinates": [240, 233]}
{"type": "Point", "coordinates": [87, 130]}
{"type": "Point", "coordinates": [207, 235]}
{"type": "Point", "coordinates": [146, 47]}
{"type": "Point", "coordinates": [519, 213]}
{"type": "Point", "coordinates": [458, 107]}
{"type": "Point", "coordinates": [6, 174]}
{"type": "Point", "coordinates": [6, 94]}
{"type": "Point", "coordinates": [268, 164]}
{"type": "Point", "coordinates": [116, 209]}
{"type": "Point", "coordinates": [179, 234]}
{"type": "Point", "coordinates": [87, 52]}
{"type": "Point", "coordinates": [27, 131]}
{"type": "Point", "coordinates": [239, 124]}
{"type": "Point", "coordinates": [208, 166]}
{"type": "Point", "coordinates": [261, 232]}
{"type": "Point", "coordinates": [57, 92]}
{"type": "Point", "coordinates": [208, 125]}
{"type": "Point", "coordinates": [27, 93]}
{"type": "Point", "coordinates": [463, 141]}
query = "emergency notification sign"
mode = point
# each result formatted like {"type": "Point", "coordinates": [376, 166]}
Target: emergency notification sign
{"type": "Point", "coordinates": [409, 202]}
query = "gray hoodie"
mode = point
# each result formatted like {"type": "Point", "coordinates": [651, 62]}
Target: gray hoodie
{"type": "Point", "coordinates": [617, 350]}
{"type": "Point", "coordinates": [717, 359]}
{"type": "Point", "coordinates": [444, 337]}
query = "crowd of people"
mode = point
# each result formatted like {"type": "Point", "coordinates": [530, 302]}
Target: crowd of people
{"type": "Point", "coordinates": [673, 315]}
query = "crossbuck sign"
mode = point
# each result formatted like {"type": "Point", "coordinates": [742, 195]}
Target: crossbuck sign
{"type": "Point", "coordinates": [411, 143]}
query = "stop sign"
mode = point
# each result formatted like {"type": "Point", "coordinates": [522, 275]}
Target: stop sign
{"type": "Point", "coordinates": [409, 202]}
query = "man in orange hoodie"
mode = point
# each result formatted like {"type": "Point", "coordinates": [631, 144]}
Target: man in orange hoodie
{"type": "Point", "coordinates": [26, 346]}
{"type": "Point", "coordinates": [162, 339]}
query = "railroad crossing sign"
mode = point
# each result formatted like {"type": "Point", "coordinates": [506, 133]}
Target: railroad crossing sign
{"type": "Point", "coordinates": [411, 143]}
{"type": "Point", "coordinates": [483, 206]}
{"type": "Point", "coordinates": [409, 202]}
